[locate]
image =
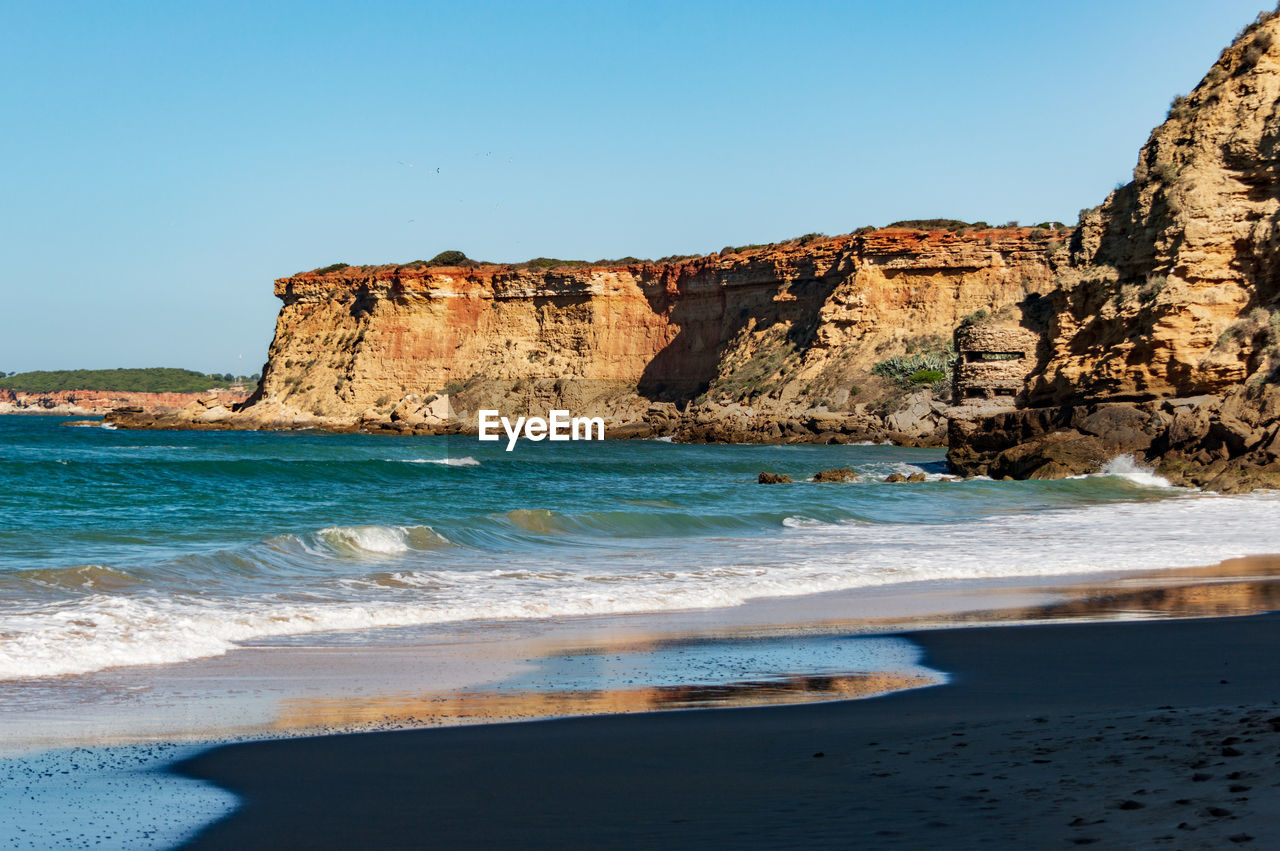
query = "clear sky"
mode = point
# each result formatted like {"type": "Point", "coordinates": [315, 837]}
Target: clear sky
{"type": "Point", "coordinates": [164, 162]}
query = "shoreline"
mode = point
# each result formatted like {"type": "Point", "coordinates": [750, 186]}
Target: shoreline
{"type": "Point", "coordinates": [441, 688]}
{"type": "Point", "coordinates": [419, 677]}
{"type": "Point", "coordinates": [1105, 743]}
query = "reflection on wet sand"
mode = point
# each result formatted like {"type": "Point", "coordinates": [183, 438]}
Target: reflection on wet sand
{"type": "Point", "coordinates": [1233, 588]}
{"type": "Point", "coordinates": [490, 706]}
{"type": "Point", "coordinates": [1194, 599]}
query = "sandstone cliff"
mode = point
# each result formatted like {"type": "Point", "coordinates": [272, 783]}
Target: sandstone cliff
{"type": "Point", "coordinates": [776, 342]}
{"type": "Point", "coordinates": [1173, 285]}
{"type": "Point", "coordinates": [98, 402]}
{"type": "Point", "coordinates": [1163, 334]}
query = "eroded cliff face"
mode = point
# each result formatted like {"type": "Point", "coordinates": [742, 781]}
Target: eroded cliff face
{"type": "Point", "coordinates": [99, 402]}
{"type": "Point", "coordinates": [1163, 334]}
{"type": "Point", "coordinates": [1173, 286]}
{"type": "Point", "coordinates": [789, 330]}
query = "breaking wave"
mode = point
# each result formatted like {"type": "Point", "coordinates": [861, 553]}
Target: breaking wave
{"type": "Point", "coordinates": [466, 461]}
{"type": "Point", "coordinates": [420, 578]}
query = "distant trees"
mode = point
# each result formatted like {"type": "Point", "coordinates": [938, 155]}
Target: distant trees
{"type": "Point", "coordinates": [151, 380]}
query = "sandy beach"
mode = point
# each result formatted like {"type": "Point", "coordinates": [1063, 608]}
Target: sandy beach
{"type": "Point", "coordinates": [1129, 734]}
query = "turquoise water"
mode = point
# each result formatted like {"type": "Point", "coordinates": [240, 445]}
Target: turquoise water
{"type": "Point", "coordinates": [128, 548]}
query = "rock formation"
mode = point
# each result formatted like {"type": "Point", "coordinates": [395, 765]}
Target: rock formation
{"type": "Point", "coordinates": [772, 343]}
{"type": "Point", "coordinates": [83, 403]}
{"type": "Point", "coordinates": [1163, 331]}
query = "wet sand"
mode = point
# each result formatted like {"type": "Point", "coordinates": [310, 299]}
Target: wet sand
{"type": "Point", "coordinates": [479, 673]}
{"type": "Point", "coordinates": [1116, 734]}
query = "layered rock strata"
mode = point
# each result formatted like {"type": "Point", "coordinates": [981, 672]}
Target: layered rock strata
{"type": "Point", "coordinates": [84, 403]}
{"type": "Point", "coordinates": [1170, 304]}
{"type": "Point", "coordinates": [771, 343]}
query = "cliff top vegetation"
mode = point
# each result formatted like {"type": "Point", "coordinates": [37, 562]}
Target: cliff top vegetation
{"type": "Point", "coordinates": [148, 380]}
{"type": "Point", "coordinates": [456, 258]}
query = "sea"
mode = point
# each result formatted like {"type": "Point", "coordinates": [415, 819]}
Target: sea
{"type": "Point", "coordinates": [140, 548]}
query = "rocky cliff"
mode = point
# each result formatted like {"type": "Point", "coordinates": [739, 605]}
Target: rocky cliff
{"type": "Point", "coordinates": [776, 342]}
{"type": "Point", "coordinates": [1168, 305]}
{"type": "Point", "coordinates": [1152, 328]}
{"type": "Point", "coordinates": [1173, 284]}
{"type": "Point", "coordinates": [99, 402]}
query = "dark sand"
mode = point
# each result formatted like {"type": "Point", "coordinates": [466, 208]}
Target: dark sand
{"type": "Point", "coordinates": [1126, 735]}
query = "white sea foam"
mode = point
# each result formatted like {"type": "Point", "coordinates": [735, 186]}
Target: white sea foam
{"type": "Point", "coordinates": [431, 586]}
{"type": "Point", "coordinates": [369, 539]}
{"type": "Point", "coordinates": [1125, 467]}
{"type": "Point", "coordinates": [466, 461]}
{"type": "Point", "coordinates": [878, 470]}
{"type": "Point", "coordinates": [801, 522]}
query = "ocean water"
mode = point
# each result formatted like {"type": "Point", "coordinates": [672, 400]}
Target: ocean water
{"type": "Point", "coordinates": [123, 548]}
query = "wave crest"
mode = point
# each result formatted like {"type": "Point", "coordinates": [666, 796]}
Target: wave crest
{"type": "Point", "coordinates": [465, 461]}
{"type": "Point", "coordinates": [379, 540]}
{"type": "Point", "coordinates": [1125, 467]}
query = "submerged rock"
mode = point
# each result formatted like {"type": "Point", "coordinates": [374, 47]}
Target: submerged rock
{"type": "Point", "coordinates": [840, 474]}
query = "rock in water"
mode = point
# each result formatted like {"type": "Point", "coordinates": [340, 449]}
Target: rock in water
{"type": "Point", "coordinates": [841, 474]}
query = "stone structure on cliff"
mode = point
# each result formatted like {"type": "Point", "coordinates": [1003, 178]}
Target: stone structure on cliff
{"type": "Point", "coordinates": [993, 362]}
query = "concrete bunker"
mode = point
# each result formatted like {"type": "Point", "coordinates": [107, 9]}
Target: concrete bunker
{"type": "Point", "coordinates": [994, 362]}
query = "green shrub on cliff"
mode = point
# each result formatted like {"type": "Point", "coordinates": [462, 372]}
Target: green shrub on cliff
{"type": "Point", "coordinates": [152, 380]}
{"type": "Point", "coordinates": [452, 257]}
{"type": "Point", "coordinates": [926, 376]}
{"type": "Point", "coordinates": [931, 224]}
{"type": "Point", "coordinates": [332, 267]}
{"type": "Point", "coordinates": [927, 361]}
{"type": "Point", "coordinates": [553, 263]}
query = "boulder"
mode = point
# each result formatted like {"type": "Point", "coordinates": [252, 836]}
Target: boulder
{"type": "Point", "coordinates": [774, 479]}
{"type": "Point", "coordinates": [841, 474]}
{"type": "Point", "coordinates": [1239, 477]}
{"type": "Point", "coordinates": [1070, 452]}
{"type": "Point", "coordinates": [893, 478]}
{"type": "Point", "coordinates": [629, 431]}
{"type": "Point", "coordinates": [1122, 428]}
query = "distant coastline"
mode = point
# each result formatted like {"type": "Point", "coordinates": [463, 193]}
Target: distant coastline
{"type": "Point", "coordinates": [97, 403]}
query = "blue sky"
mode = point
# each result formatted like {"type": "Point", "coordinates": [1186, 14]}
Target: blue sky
{"type": "Point", "coordinates": [165, 162]}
